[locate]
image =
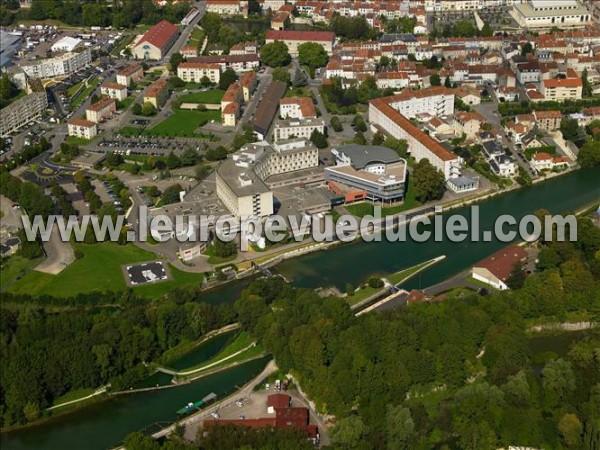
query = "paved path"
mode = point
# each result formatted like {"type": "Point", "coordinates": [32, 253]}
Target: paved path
{"type": "Point", "coordinates": [98, 391]}
{"type": "Point", "coordinates": [59, 254]}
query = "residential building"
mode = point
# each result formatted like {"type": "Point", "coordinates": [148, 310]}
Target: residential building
{"type": "Point", "coordinates": [383, 116]}
{"type": "Point", "coordinates": [189, 51]}
{"type": "Point", "coordinates": [228, 7]}
{"type": "Point", "coordinates": [468, 123]}
{"type": "Point", "coordinates": [82, 128]}
{"type": "Point", "coordinates": [114, 90]}
{"type": "Point", "coordinates": [22, 111]}
{"type": "Point", "coordinates": [435, 101]}
{"type": "Point", "coordinates": [543, 161]}
{"type": "Point", "coordinates": [130, 75]}
{"type": "Point", "coordinates": [102, 110]}
{"type": "Point", "coordinates": [297, 108]}
{"type": "Point", "coordinates": [157, 93]}
{"type": "Point", "coordinates": [239, 63]}
{"type": "Point", "coordinates": [230, 114]}
{"type": "Point", "coordinates": [248, 82]}
{"type": "Point", "coordinates": [548, 120]}
{"type": "Point", "coordinates": [297, 128]}
{"type": "Point", "coordinates": [157, 41]}
{"type": "Point", "coordinates": [293, 39]}
{"type": "Point", "coordinates": [376, 172]}
{"type": "Point", "coordinates": [496, 269]}
{"type": "Point", "coordinates": [500, 163]}
{"type": "Point", "coordinates": [562, 89]}
{"type": "Point", "coordinates": [545, 14]}
{"type": "Point", "coordinates": [58, 66]}
{"type": "Point", "coordinates": [193, 72]}
{"type": "Point", "coordinates": [267, 109]}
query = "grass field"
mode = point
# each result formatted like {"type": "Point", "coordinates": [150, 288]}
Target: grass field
{"type": "Point", "coordinates": [362, 294]}
{"type": "Point", "coordinates": [100, 270]}
{"type": "Point", "coordinates": [79, 99]}
{"type": "Point", "coordinates": [73, 395]}
{"type": "Point", "coordinates": [183, 123]}
{"type": "Point", "coordinates": [213, 97]}
{"type": "Point", "coordinates": [77, 140]}
{"type": "Point", "coordinates": [15, 268]}
{"type": "Point", "coordinates": [403, 274]}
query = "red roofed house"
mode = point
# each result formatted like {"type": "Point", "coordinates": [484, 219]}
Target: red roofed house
{"type": "Point", "coordinates": [130, 74]}
{"type": "Point", "coordinates": [157, 41]}
{"type": "Point", "coordinates": [562, 89]}
{"type": "Point", "coordinates": [157, 93]}
{"type": "Point", "coordinates": [544, 161]}
{"type": "Point", "coordinates": [297, 108]}
{"type": "Point", "coordinates": [101, 110]}
{"type": "Point", "coordinates": [114, 90]}
{"type": "Point", "coordinates": [248, 82]}
{"type": "Point", "coordinates": [293, 39]}
{"type": "Point", "coordinates": [496, 269]}
{"type": "Point", "coordinates": [82, 128]}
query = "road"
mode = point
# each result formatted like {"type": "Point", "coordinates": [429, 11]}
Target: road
{"type": "Point", "coordinates": [59, 254]}
{"type": "Point", "coordinates": [185, 34]}
{"type": "Point", "coordinates": [264, 82]}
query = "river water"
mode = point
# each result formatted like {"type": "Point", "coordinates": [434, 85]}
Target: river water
{"type": "Point", "coordinates": [106, 423]}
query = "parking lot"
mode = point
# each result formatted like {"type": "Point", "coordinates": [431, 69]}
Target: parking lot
{"type": "Point", "coordinates": [151, 272]}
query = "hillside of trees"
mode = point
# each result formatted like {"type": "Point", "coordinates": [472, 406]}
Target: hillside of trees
{"type": "Point", "coordinates": [453, 374]}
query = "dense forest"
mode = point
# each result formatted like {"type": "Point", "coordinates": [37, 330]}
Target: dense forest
{"type": "Point", "coordinates": [118, 14]}
{"type": "Point", "coordinates": [453, 374]}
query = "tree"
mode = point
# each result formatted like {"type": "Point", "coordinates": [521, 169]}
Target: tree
{"type": "Point", "coordinates": [318, 139]}
{"type": "Point", "coordinates": [189, 157]}
{"type": "Point", "coordinates": [359, 123]}
{"type": "Point", "coordinates": [136, 109]}
{"type": "Point", "coordinates": [400, 146]}
{"type": "Point", "coordinates": [281, 74]}
{"type": "Point", "coordinates": [7, 90]}
{"type": "Point", "coordinates": [174, 61]}
{"type": "Point", "coordinates": [359, 138]}
{"type": "Point", "coordinates": [428, 181]}
{"type": "Point", "coordinates": [227, 78]}
{"type": "Point", "coordinates": [275, 54]}
{"type": "Point", "coordinates": [571, 430]}
{"type": "Point", "coordinates": [216, 154]}
{"type": "Point", "coordinates": [399, 427]}
{"type": "Point", "coordinates": [205, 81]}
{"type": "Point", "coordinates": [447, 82]}
{"type": "Point", "coordinates": [148, 109]}
{"type": "Point", "coordinates": [558, 380]}
{"type": "Point", "coordinates": [487, 30]}
{"type": "Point", "coordinates": [527, 48]}
{"type": "Point", "coordinates": [435, 80]}
{"type": "Point", "coordinates": [589, 155]}
{"type": "Point", "coordinates": [336, 124]}
{"type": "Point", "coordinates": [312, 54]}
{"type": "Point", "coordinates": [299, 78]}
{"type": "Point", "coordinates": [113, 159]}
{"type": "Point", "coordinates": [588, 90]}
{"type": "Point", "coordinates": [349, 432]}
{"type": "Point", "coordinates": [173, 162]}
{"type": "Point", "coordinates": [569, 129]}
{"type": "Point", "coordinates": [171, 194]}
{"type": "Point", "coordinates": [378, 138]}
{"type": "Point", "coordinates": [516, 278]}
{"type": "Point", "coordinates": [176, 82]}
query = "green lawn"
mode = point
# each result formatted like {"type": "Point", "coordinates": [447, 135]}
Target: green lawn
{"type": "Point", "coordinates": [197, 36]}
{"type": "Point", "coordinates": [14, 268]}
{"type": "Point", "coordinates": [73, 89]}
{"type": "Point", "coordinates": [403, 274]}
{"type": "Point", "coordinates": [100, 270]}
{"type": "Point", "coordinates": [87, 92]}
{"type": "Point", "coordinates": [77, 140]}
{"type": "Point", "coordinates": [213, 96]}
{"type": "Point", "coordinates": [362, 294]}
{"type": "Point", "coordinates": [125, 104]}
{"type": "Point", "coordinates": [298, 92]}
{"type": "Point", "coordinates": [183, 123]}
{"type": "Point", "coordinates": [131, 131]}
{"type": "Point", "coordinates": [214, 259]}
{"type": "Point", "coordinates": [73, 395]}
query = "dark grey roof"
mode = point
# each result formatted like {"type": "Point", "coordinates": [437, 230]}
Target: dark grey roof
{"type": "Point", "coordinates": [363, 155]}
{"type": "Point", "coordinates": [269, 105]}
{"type": "Point", "coordinates": [462, 181]}
{"type": "Point", "coordinates": [404, 37]}
{"type": "Point", "coordinates": [492, 148]}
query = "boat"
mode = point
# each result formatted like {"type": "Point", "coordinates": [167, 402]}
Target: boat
{"type": "Point", "coordinates": [194, 406]}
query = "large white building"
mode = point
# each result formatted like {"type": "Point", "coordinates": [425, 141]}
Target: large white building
{"type": "Point", "coordinates": [297, 128]}
{"type": "Point", "coordinates": [193, 72]}
{"type": "Point", "coordinates": [82, 128]}
{"type": "Point", "coordinates": [435, 101]}
{"type": "Point", "coordinates": [58, 66]}
{"type": "Point", "coordinates": [533, 14]}
{"type": "Point", "coordinates": [240, 181]}
{"type": "Point", "coordinates": [21, 111]}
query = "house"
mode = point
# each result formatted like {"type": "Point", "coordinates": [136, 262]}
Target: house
{"type": "Point", "coordinates": [156, 42]}
{"type": "Point", "coordinates": [130, 75]}
{"type": "Point", "coordinates": [293, 39]}
{"type": "Point", "coordinates": [114, 90]}
{"type": "Point", "coordinates": [228, 7]}
{"type": "Point", "coordinates": [531, 140]}
{"type": "Point", "coordinates": [500, 163]}
{"type": "Point", "coordinates": [297, 108]}
{"type": "Point", "coordinates": [189, 51]}
{"type": "Point", "coordinates": [277, 401]}
{"type": "Point", "coordinates": [248, 82]}
{"type": "Point", "coordinates": [239, 62]}
{"type": "Point", "coordinates": [230, 114]}
{"type": "Point", "coordinates": [468, 123]}
{"type": "Point", "coordinates": [543, 161]}
{"type": "Point", "coordinates": [468, 95]}
{"type": "Point", "coordinates": [496, 269]}
{"type": "Point", "coordinates": [562, 89]}
{"type": "Point", "coordinates": [101, 110]}
{"type": "Point", "coordinates": [157, 93]}
{"type": "Point", "coordinates": [82, 128]}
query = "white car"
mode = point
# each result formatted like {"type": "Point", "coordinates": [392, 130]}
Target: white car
{"type": "Point", "coordinates": [215, 415]}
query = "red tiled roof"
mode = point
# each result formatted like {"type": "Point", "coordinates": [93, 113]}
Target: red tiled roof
{"type": "Point", "coordinates": [130, 70]}
{"type": "Point", "coordinates": [81, 122]}
{"type": "Point", "coordinates": [278, 400]}
{"type": "Point", "coordinates": [113, 85]}
{"type": "Point", "coordinates": [501, 263]}
{"type": "Point", "coordinates": [156, 88]}
{"type": "Point", "coordinates": [231, 108]}
{"type": "Point", "coordinates": [159, 34]}
{"type": "Point", "coordinates": [101, 104]}
{"type": "Point", "coordinates": [306, 105]}
{"type": "Point", "coordinates": [563, 83]}
{"type": "Point", "coordinates": [309, 36]}
{"type": "Point", "coordinates": [198, 65]}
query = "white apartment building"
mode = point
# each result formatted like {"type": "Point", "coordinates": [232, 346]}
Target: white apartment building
{"type": "Point", "coordinates": [82, 128]}
{"type": "Point", "coordinates": [436, 101]}
{"type": "Point", "coordinates": [22, 111]}
{"type": "Point", "coordinates": [297, 128]}
{"type": "Point", "coordinates": [101, 110]}
{"type": "Point", "coordinates": [383, 116]}
{"type": "Point", "coordinates": [535, 14]}
{"type": "Point", "coordinates": [130, 74]}
{"type": "Point", "coordinates": [114, 90]}
{"type": "Point", "coordinates": [193, 72]}
{"type": "Point", "coordinates": [58, 66]}
{"type": "Point", "coordinates": [288, 156]}
{"type": "Point", "coordinates": [297, 108]}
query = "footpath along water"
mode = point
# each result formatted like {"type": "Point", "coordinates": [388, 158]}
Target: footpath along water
{"type": "Point", "coordinates": [104, 425]}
